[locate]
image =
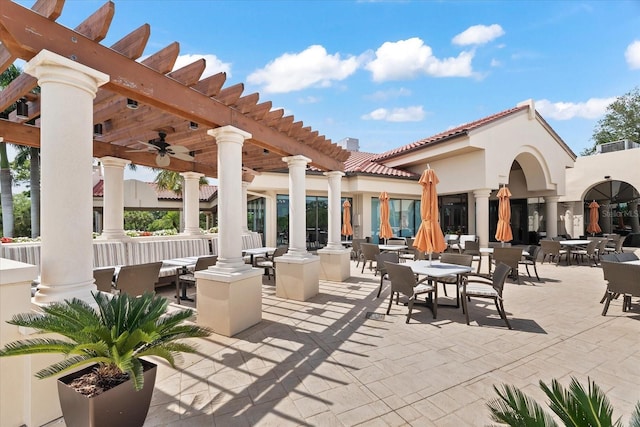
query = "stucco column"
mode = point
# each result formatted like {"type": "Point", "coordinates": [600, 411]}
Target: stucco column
{"type": "Point", "coordinates": [66, 146]}
{"type": "Point", "coordinates": [191, 205]}
{"type": "Point", "coordinates": [482, 215]}
{"type": "Point", "coordinates": [247, 178]}
{"type": "Point", "coordinates": [230, 140]}
{"type": "Point", "coordinates": [334, 208]}
{"type": "Point", "coordinates": [551, 212]}
{"type": "Point", "coordinates": [634, 221]}
{"type": "Point", "coordinates": [297, 206]}
{"type": "Point", "coordinates": [113, 199]}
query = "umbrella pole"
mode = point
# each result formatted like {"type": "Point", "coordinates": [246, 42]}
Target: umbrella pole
{"type": "Point", "coordinates": [429, 263]}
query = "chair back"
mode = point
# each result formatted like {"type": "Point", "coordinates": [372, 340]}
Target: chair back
{"type": "Point", "coordinates": [381, 258]}
{"type": "Point", "coordinates": [591, 247]}
{"type": "Point", "coordinates": [402, 278]}
{"type": "Point", "coordinates": [550, 247]}
{"type": "Point", "coordinates": [369, 251]}
{"type": "Point", "coordinates": [619, 243]}
{"type": "Point", "coordinates": [472, 248]}
{"type": "Point", "coordinates": [355, 243]}
{"type": "Point", "coordinates": [602, 245]}
{"type": "Point", "coordinates": [103, 278]}
{"type": "Point", "coordinates": [509, 255]}
{"type": "Point", "coordinates": [626, 256]}
{"type": "Point", "coordinates": [458, 259]}
{"type": "Point", "coordinates": [499, 276]}
{"type": "Point", "coordinates": [534, 251]}
{"type": "Point", "coordinates": [396, 241]}
{"type": "Point", "coordinates": [280, 250]}
{"type": "Point", "coordinates": [410, 241]}
{"type": "Point", "coordinates": [205, 262]}
{"type": "Point", "coordinates": [622, 278]}
{"type": "Point", "coordinates": [137, 279]}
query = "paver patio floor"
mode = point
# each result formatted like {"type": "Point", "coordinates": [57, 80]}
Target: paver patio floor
{"type": "Point", "coordinates": [325, 363]}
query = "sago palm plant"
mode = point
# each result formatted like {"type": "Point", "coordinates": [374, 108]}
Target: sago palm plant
{"type": "Point", "coordinates": [574, 406]}
{"type": "Point", "coordinates": [114, 335]}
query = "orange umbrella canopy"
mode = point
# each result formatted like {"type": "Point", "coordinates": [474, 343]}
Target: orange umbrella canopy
{"type": "Point", "coordinates": [385, 225]}
{"type": "Point", "coordinates": [429, 237]}
{"type": "Point", "coordinates": [347, 230]}
{"type": "Point", "coordinates": [594, 216]}
{"type": "Point", "coordinates": [503, 233]}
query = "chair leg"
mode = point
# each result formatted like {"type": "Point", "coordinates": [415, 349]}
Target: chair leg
{"type": "Point", "coordinates": [410, 308]}
{"type": "Point", "coordinates": [465, 308]}
{"type": "Point", "coordinates": [502, 313]}
{"type": "Point", "coordinates": [390, 302]}
{"type": "Point", "coordinates": [536, 270]}
{"type": "Point", "coordinates": [380, 288]}
{"type": "Point", "coordinates": [604, 297]}
{"type": "Point", "coordinates": [527, 267]}
{"type": "Point", "coordinates": [606, 304]}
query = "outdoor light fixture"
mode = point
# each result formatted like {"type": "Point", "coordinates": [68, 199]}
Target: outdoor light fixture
{"type": "Point", "coordinates": [193, 126]}
{"type": "Point", "coordinates": [265, 152]}
{"type": "Point", "coordinates": [97, 129]}
{"type": "Point", "coordinates": [132, 104]}
{"type": "Point", "coordinates": [4, 115]}
{"type": "Point", "coordinates": [162, 160]}
{"type": "Point", "coordinates": [22, 108]}
{"type": "Point", "coordinates": [607, 177]}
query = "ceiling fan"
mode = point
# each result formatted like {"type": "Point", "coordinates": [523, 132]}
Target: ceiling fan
{"type": "Point", "coordinates": [165, 150]}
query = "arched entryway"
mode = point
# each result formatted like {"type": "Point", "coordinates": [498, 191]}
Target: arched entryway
{"type": "Point", "coordinates": [618, 202]}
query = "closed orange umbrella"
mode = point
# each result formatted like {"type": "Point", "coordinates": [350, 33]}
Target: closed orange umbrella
{"type": "Point", "coordinates": [594, 216]}
{"type": "Point", "coordinates": [385, 225]}
{"type": "Point", "coordinates": [503, 233]}
{"type": "Point", "coordinates": [347, 230]}
{"type": "Point", "coordinates": [429, 237]}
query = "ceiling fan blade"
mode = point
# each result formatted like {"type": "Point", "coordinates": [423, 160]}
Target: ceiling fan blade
{"type": "Point", "coordinates": [149, 144]}
{"type": "Point", "coordinates": [178, 149]}
{"type": "Point", "coordinates": [183, 156]}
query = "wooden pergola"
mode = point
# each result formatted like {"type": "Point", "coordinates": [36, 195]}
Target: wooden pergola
{"type": "Point", "coordinates": [179, 103]}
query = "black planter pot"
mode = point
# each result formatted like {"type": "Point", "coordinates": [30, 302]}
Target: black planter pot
{"type": "Point", "coordinates": [120, 406]}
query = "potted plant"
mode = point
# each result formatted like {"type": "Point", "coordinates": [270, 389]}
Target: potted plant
{"type": "Point", "coordinates": [112, 338]}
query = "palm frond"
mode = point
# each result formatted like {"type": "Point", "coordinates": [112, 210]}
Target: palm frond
{"type": "Point", "coordinates": [69, 364]}
{"type": "Point", "coordinates": [635, 417]}
{"type": "Point", "coordinates": [514, 408]}
{"type": "Point", "coordinates": [37, 346]}
{"type": "Point", "coordinates": [137, 374]}
{"type": "Point", "coordinates": [159, 352]}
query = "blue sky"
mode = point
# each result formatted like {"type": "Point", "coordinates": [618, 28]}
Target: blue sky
{"type": "Point", "coordinates": [391, 72]}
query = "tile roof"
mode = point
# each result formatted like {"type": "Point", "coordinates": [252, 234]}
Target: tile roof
{"type": "Point", "coordinates": [206, 192]}
{"type": "Point", "coordinates": [360, 162]}
{"type": "Point", "coordinates": [450, 133]}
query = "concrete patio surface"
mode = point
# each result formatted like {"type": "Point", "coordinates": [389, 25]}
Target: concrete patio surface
{"type": "Point", "coordinates": [325, 363]}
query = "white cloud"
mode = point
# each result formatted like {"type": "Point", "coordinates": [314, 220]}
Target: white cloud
{"type": "Point", "coordinates": [297, 71]}
{"type": "Point", "coordinates": [309, 100]}
{"type": "Point", "coordinates": [632, 55]}
{"type": "Point", "coordinates": [408, 114]}
{"type": "Point", "coordinates": [478, 34]}
{"type": "Point", "coordinates": [383, 95]}
{"type": "Point", "coordinates": [406, 59]}
{"type": "Point", "coordinates": [496, 63]}
{"type": "Point", "coordinates": [591, 109]}
{"type": "Point", "coordinates": [214, 64]}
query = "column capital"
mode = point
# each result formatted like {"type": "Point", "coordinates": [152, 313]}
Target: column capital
{"type": "Point", "coordinates": [191, 175]}
{"type": "Point", "coordinates": [333, 174]}
{"type": "Point", "coordinates": [481, 192]}
{"type": "Point", "coordinates": [297, 160]}
{"type": "Point", "coordinates": [114, 161]}
{"type": "Point", "coordinates": [47, 66]}
{"type": "Point", "coordinates": [229, 134]}
{"type": "Point", "coordinates": [551, 199]}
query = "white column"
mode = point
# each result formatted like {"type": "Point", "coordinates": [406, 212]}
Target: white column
{"type": "Point", "coordinates": [230, 140]}
{"type": "Point", "coordinates": [113, 200]}
{"type": "Point", "coordinates": [551, 205]}
{"type": "Point", "coordinates": [66, 147]}
{"type": "Point", "coordinates": [482, 215]}
{"type": "Point", "coordinates": [247, 179]}
{"type": "Point", "coordinates": [191, 206]}
{"type": "Point", "coordinates": [297, 206]}
{"type": "Point", "coordinates": [335, 208]}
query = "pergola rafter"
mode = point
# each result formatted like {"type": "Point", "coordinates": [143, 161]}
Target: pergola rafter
{"type": "Point", "coordinates": [168, 101]}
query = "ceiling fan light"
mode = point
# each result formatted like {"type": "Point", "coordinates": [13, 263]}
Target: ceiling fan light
{"type": "Point", "coordinates": [162, 160]}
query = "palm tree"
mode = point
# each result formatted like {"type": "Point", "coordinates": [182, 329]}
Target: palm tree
{"type": "Point", "coordinates": [32, 155]}
{"type": "Point", "coordinates": [170, 180]}
{"type": "Point", "coordinates": [5, 172]}
{"type": "Point", "coordinates": [575, 407]}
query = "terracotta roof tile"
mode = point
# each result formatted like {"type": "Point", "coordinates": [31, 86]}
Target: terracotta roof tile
{"type": "Point", "coordinates": [450, 133]}
{"type": "Point", "coordinates": [98, 189]}
{"type": "Point", "coordinates": [363, 163]}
